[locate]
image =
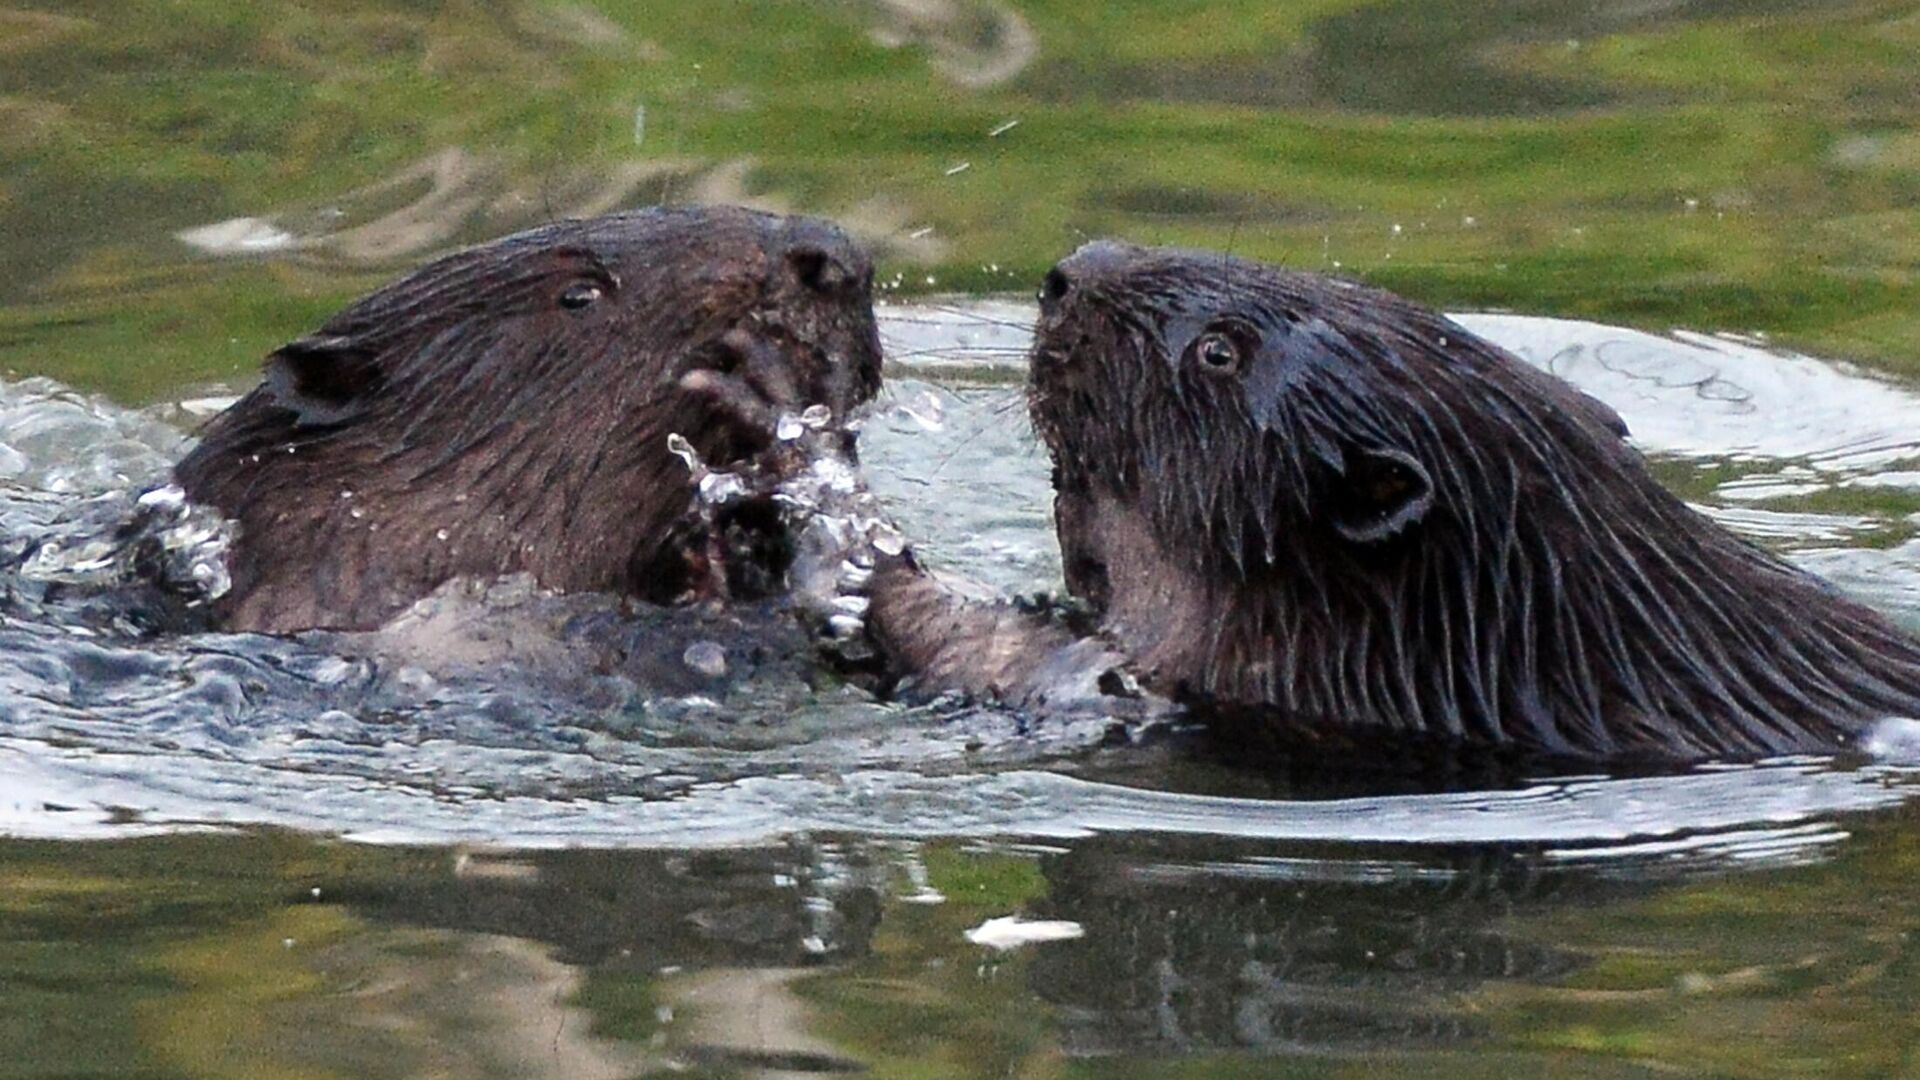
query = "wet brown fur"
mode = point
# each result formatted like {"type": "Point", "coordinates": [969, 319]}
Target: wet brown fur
{"type": "Point", "coordinates": [1376, 522]}
{"type": "Point", "coordinates": [507, 409]}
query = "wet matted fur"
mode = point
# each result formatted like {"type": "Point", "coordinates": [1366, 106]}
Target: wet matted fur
{"type": "Point", "coordinates": [507, 409]}
{"type": "Point", "coordinates": [1286, 491]}
{"type": "Point", "coordinates": [1337, 525]}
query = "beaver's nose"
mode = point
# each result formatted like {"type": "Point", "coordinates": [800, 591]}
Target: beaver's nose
{"type": "Point", "coordinates": [824, 259]}
{"type": "Point", "coordinates": [1091, 263]}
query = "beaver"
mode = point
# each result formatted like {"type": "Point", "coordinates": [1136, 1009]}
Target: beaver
{"type": "Point", "coordinates": [507, 409]}
{"type": "Point", "coordinates": [1292, 504]}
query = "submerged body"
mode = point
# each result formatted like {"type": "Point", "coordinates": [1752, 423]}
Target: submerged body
{"type": "Point", "coordinates": [1312, 510]}
{"type": "Point", "coordinates": [508, 409]}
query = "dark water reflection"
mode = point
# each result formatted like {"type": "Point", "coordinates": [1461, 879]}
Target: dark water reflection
{"type": "Point", "coordinates": [272, 954]}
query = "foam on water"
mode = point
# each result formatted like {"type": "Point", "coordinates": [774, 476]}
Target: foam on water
{"type": "Point", "coordinates": [73, 792]}
{"type": "Point", "coordinates": [103, 736]}
{"type": "Point", "coordinates": [54, 439]}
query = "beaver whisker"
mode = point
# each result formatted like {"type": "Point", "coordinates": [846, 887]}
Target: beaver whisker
{"type": "Point", "coordinates": [975, 315]}
{"type": "Point", "coordinates": [940, 466]}
{"type": "Point", "coordinates": [897, 316]}
{"type": "Point", "coordinates": [1009, 401]}
{"type": "Point", "coordinates": [940, 351]}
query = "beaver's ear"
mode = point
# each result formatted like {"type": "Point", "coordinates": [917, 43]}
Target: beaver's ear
{"type": "Point", "coordinates": [325, 379]}
{"type": "Point", "coordinates": [1380, 494]}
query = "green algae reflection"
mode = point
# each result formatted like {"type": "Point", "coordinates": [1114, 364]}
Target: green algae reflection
{"type": "Point", "coordinates": [212, 956]}
{"type": "Point", "coordinates": [1703, 164]}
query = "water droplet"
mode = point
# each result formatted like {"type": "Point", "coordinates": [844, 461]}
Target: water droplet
{"type": "Point", "coordinates": [679, 447]}
{"type": "Point", "coordinates": [930, 413]}
{"type": "Point", "coordinates": [853, 576]}
{"type": "Point", "coordinates": [706, 658]}
{"type": "Point", "coordinates": [718, 489]}
{"type": "Point", "coordinates": [169, 497]}
{"type": "Point", "coordinates": [888, 541]}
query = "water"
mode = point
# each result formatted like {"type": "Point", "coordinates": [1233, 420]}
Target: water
{"type": "Point", "coordinates": [723, 885]}
{"type": "Point", "coordinates": [231, 856]}
{"type": "Point", "coordinates": [371, 737]}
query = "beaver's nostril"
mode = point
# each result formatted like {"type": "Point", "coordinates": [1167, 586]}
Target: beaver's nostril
{"type": "Point", "coordinates": [1054, 286]}
{"type": "Point", "coordinates": [818, 270]}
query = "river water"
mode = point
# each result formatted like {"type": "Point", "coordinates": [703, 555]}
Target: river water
{"type": "Point", "coordinates": [242, 857]}
{"type": "Point", "coordinates": [577, 850]}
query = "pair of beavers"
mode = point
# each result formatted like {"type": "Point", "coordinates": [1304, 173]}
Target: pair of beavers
{"type": "Point", "coordinates": [1290, 504]}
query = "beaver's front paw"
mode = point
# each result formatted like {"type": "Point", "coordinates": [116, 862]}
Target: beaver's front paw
{"type": "Point", "coordinates": [789, 464]}
{"type": "Point", "coordinates": [748, 381]}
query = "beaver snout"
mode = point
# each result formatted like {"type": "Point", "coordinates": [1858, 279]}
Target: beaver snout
{"type": "Point", "coordinates": [830, 273]}
{"type": "Point", "coordinates": [818, 305]}
{"type": "Point", "coordinates": [1070, 301]}
{"type": "Point", "coordinates": [824, 260]}
{"type": "Point", "coordinates": [1092, 263]}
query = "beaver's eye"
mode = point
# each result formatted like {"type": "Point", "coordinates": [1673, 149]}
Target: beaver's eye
{"type": "Point", "coordinates": [579, 296]}
{"type": "Point", "coordinates": [1217, 352]}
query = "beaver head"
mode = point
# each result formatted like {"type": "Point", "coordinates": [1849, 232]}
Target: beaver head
{"type": "Point", "coordinates": [508, 409]}
{"type": "Point", "coordinates": [1287, 491]}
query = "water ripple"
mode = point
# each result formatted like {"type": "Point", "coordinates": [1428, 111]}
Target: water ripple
{"type": "Point", "coordinates": [101, 735]}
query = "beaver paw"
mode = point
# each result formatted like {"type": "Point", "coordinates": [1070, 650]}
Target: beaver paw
{"type": "Point", "coordinates": [748, 381]}
{"type": "Point", "coordinates": [797, 512]}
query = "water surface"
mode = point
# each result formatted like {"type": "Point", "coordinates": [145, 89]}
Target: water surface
{"type": "Point", "coordinates": [660, 877]}
{"type": "Point", "coordinates": [231, 856]}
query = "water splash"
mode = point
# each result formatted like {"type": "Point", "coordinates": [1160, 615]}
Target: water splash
{"type": "Point", "coordinates": [104, 734]}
